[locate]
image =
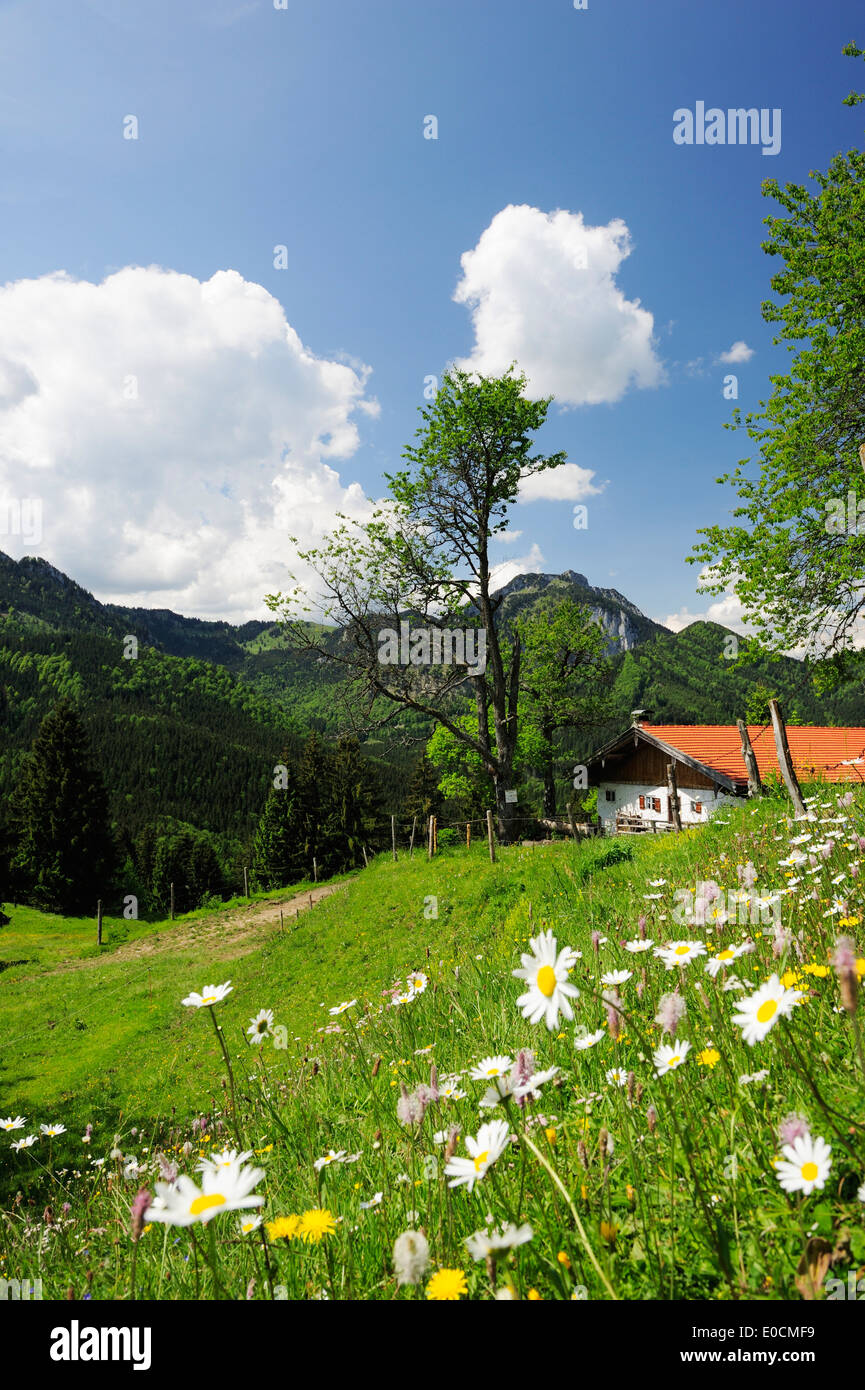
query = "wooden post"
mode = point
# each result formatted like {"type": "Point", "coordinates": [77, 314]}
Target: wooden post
{"type": "Point", "coordinates": [571, 819]}
{"type": "Point", "coordinates": [314, 869]}
{"type": "Point", "coordinates": [99, 923]}
{"type": "Point", "coordinates": [429, 852]}
{"type": "Point", "coordinates": [673, 789]}
{"type": "Point", "coordinates": [281, 922]}
{"type": "Point", "coordinates": [310, 900]}
{"type": "Point", "coordinates": [245, 881]}
{"type": "Point", "coordinates": [490, 837]}
{"type": "Point", "coordinates": [755, 784]}
{"type": "Point", "coordinates": [468, 834]}
{"type": "Point", "coordinates": [785, 763]}
{"type": "Point", "coordinates": [435, 834]}
{"type": "Point", "coordinates": [393, 834]}
{"type": "Point", "coordinates": [171, 913]}
{"type": "Point", "coordinates": [411, 841]}
{"type": "Point", "coordinates": [365, 860]}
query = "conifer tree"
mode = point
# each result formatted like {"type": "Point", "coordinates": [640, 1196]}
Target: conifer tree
{"type": "Point", "coordinates": [423, 798]}
{"type": "Point", "coordinates": [64, 853]}
{"type": "Point", "coordinates": [356, 806]}
{"type": "Point", "coordinates": [278, 845]}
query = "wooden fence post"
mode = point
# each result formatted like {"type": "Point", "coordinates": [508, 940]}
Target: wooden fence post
{"type": "Point", "coordinates": [411, 841]}
{"type": "Point", "coordinates": [435, 834]}
{"type": "Point", "coordinates": [490, 837]}
{"type": "Point", "coordinates": [755, 784]}
{"type": "Point", "coordinates": [468, 834]}
{"type": "Point", "coordinates": [571, 819]}
{"type": "Point", "coordinates": [365, 860]}
{"type": "Point", "coordinates": [673, 789]}
{"type": "Point", "coordinates": [171, 914]}
{"type": "Point", "coordinates": [429, 852]}
{"type": "Point", "coordinates": [314, 869]}
{"type": "Point", "coordinates": [785, 763]}
{"type": "Point", "coordinates": [393, 834]}
{"type": "Point", "coordinates": [99, 923]}
{"type": "Point", "coordinates": [245, 881]}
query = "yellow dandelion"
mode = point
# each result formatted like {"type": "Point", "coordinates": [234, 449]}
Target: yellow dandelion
{"type": "Point", "coordinates": [534, 1296]}
{"type": "Point", "coordinates": [315, 1224]}
{"type": "Point", "coordinates": [821, 971]}
{"type": "Point", "coordinates": [283, 1227]}
{"type": "Point", "coordinates": [563, 1259]}
{"type": "Point", "coordinates": [709, 1057]}
{"type": "Point", "coordinates": [551, 1135]}
{"type": "Point", "coordinates": [789, 978]}
{"type": "Point", "coordinates": [447, 1286]}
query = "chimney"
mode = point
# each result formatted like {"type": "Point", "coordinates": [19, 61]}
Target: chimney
{"type": "Point", "coordinates": [638, 715]}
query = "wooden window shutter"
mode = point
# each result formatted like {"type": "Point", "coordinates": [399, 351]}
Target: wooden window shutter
{"type": "Point", "coordinates": [642, 803]}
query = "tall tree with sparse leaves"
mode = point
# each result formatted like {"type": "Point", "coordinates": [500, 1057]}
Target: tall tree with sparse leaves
{"type": "Point", "coordinates": [425, 555]}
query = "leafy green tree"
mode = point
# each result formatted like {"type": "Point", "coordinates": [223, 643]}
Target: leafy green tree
{"type": "Point", "coordinates": [278, 845]}
{"type": "Point", "coordinates": [796, 559]}
{"type": "Point", "coordinates": [566, 679]}
{"type": "Point", "coordinates": [64, 855]}
{"type": "Point", "coordinates": [426, 554]}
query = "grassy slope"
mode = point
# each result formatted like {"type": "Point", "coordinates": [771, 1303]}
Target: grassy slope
{"type": "Point", "coordinates": [112, 1035]}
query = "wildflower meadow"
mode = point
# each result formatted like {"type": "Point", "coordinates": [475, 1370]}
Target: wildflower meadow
{"type": "Point", "coordinates": [617, 1072]}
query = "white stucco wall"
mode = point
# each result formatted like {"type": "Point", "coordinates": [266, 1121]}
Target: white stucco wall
{"type": "Point", "coordinates": [628, 795]}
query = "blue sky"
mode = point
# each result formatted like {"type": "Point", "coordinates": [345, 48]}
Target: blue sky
{"type": "Point", "coordinates": [303, 127]}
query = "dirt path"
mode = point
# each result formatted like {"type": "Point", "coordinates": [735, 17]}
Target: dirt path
{"type": "Point", "coordinates": [230, 934]}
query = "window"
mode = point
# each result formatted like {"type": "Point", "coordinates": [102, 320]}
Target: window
{"type": "Point", "coordinates": [656, 803]}
{"type": "Point", "coordinates": [611, 796]}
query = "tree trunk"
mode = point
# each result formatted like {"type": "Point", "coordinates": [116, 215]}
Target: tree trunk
{"type": "Point", "coordinates": [784, 760]}
{"type": "Point", "coordinates": [506, 811]}
{"type": "Point", "coordinates": [673, 790]}
{"type": "Point", "coordinates": [755, 784]}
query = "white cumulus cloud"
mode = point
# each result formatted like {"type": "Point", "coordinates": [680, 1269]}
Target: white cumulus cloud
{"type": "Point", "coordinates": [542, 292]}
{"type": "Point", "coordinates": [176, 431]}
{"type": "Point", "coordinates": [739, 352]}
{"type": "Point", "coordinates": [567, 483]}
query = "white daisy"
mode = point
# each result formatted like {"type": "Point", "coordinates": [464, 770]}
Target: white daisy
{"type": "Point", "coordinates": [722, 958]}
{"type": "Point", "coordinates": [806, 1164]}
{"type": "Point", "coordinates": [485, 1243]}
{"type": "Point", "coordinates": [583, 1041]}
{"type": "Point", "coordinates": [616, 1076]}
{"type": "Point", "coordinates": [546, 972]}
{"type": "Point", "coordinates": [531, 1089]}
{"type": "Point", "coordinates": [182, 1203]}
{"type": "Point", "coordinates": [490, 1067]}
{"type": "Point", "coordinates": [18, 1123]}
{"type": "Point", "coordinates": [52, 1130]}
{"type": "Point", "coordinates": [449, 1090]}
{"type": "Point", "coordinates": [616, 977]}
{"type": "Point", "coordinates": [261, 1026]}
{"type": "Point", "coordinates": [417, 981]}
{"type": "Point", "coordinates": [25, 1143]}
{"type": "Point", "coordinates": [680, 953]}
{"type": "Point", "coordinates": [341, 1008]}
{"type": "Point", "coordinates": [217, 1161]}
{"type": "Point", "coordinates": [762, 1009]}
{"type": "Point", "coordinates": [669, 1056]}
{"type": "Point", "coordinates": [754, 1078]}
{"type": "Point", "coordinates": [373, 1202]}
{"type": "Point", "coordinates": [329, 1158]}
{"type": "Point", "coordinates": [211, 994]}
{"type": "Point", "coordinates": [488, 1145]}
{"type": "Point", "coordinates": [249, 1223]}
{"type": "Point", "coordinates": [635, 947]}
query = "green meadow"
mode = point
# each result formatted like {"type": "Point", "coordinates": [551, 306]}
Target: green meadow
{"type": "Point", "coordinates": [628, 1172]}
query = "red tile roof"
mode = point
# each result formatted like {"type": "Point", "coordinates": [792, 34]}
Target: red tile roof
{"type": "Point", "coordinates": [817, 751]}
